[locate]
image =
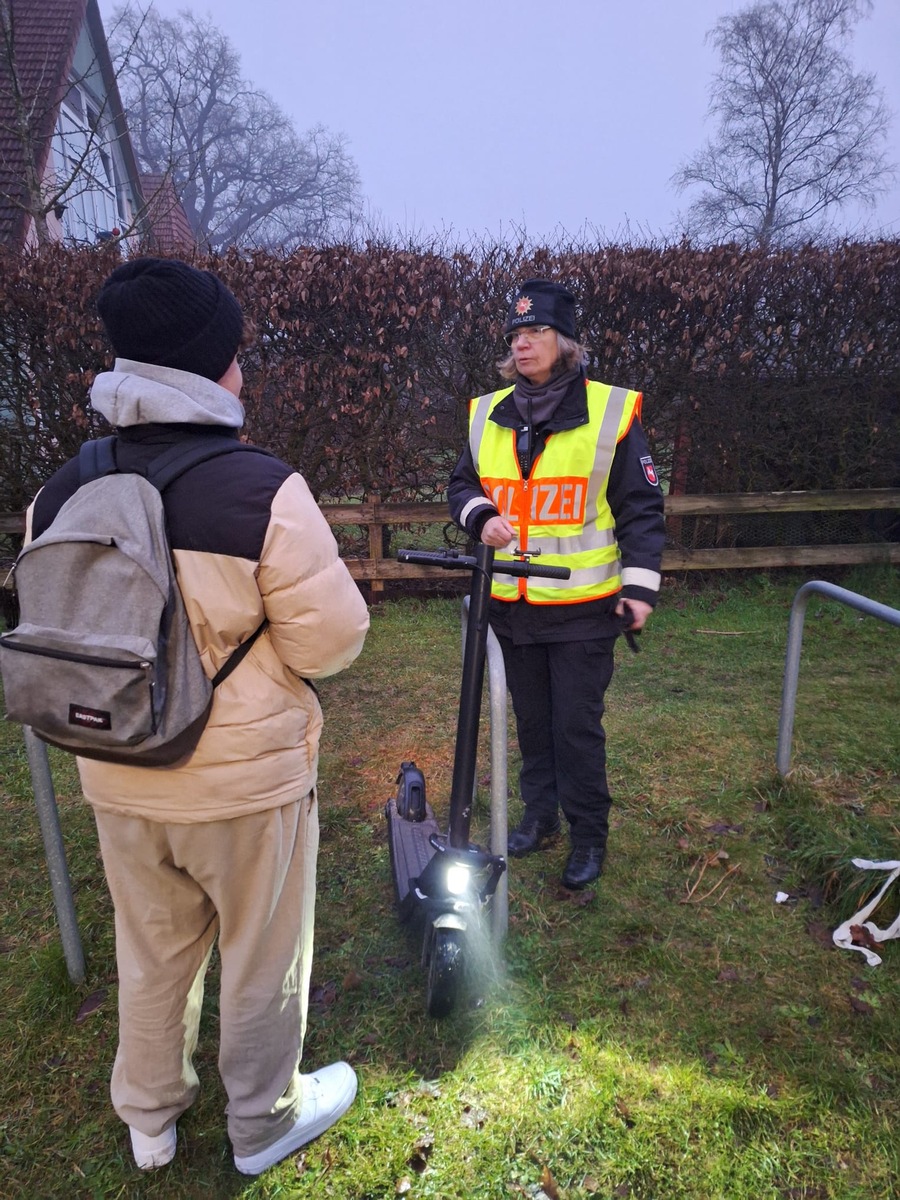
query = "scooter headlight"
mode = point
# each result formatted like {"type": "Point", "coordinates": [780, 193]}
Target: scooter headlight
{"type": "Point", "coordinates": [459, 878]}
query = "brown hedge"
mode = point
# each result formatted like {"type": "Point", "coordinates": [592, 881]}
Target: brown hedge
{"type": "Point", "coordinates": [761, 372]}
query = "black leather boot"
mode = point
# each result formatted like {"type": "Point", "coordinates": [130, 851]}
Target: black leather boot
{"type": "Point", "coordinates": [584, 866]}
{"type": "Point", "coordinates": [529, 836]}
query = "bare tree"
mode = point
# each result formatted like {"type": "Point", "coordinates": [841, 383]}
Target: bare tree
{"type": "Point", "coordinates": [243, 173]}
{"type": "Point", "coordinates": [800, 133]}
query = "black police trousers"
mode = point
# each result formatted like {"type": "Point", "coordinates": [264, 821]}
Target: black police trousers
{"type": "Point", "coordinates": [557, 691]}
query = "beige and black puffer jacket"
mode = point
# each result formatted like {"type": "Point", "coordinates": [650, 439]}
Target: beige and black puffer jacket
{"type": "Point", "coordinates": [249, 542]}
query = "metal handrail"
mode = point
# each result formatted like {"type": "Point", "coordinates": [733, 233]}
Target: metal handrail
{"type": "Point", "coordinates": [871, 608]}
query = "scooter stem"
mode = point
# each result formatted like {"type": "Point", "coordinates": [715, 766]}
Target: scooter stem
{"type": "Point", "coordinates": [462, 786]}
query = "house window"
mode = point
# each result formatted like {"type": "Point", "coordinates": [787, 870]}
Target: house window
{"type": "Point", "coordinates": [83, 161]}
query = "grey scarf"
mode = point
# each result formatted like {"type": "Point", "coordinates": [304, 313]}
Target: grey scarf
{"type": "Point", "coordinates": [536, 403]}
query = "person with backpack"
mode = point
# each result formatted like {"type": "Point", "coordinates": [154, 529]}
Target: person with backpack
{"type": "Point", "coordinates": [222, 843]}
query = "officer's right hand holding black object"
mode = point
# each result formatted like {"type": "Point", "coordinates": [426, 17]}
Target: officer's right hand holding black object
{"type": "Point", "coordinates": [630, 635]}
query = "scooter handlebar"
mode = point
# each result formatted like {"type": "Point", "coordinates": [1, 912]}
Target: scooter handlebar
{"type": "Point", "coordinates": [452, 560]}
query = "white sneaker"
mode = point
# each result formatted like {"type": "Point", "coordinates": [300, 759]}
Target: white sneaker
{"type": "Point", "coordinates": [327, 1094]}
{"type": "Point", "coordinates": [152, 1152]}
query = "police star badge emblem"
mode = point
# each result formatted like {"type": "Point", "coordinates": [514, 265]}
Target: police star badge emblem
{"type": "Point", "coordinates": [523, 305]}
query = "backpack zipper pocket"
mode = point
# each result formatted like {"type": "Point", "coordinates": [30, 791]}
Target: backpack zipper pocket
{"type": "Point", "coordinates": [68, 656]}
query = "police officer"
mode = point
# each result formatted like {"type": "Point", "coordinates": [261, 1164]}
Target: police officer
{"type": "Point", "coordinates": [558, 465]}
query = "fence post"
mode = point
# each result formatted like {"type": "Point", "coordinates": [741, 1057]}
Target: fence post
{"type": "Point", "coordinates": [376, 546]}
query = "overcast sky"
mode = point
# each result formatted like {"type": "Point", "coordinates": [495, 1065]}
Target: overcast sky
{"type": "Point", "coordinates": [483, 116]}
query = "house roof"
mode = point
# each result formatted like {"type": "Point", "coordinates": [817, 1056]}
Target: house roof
{"type": "Point", "coordinates": [45, 36]}
{"type": "Point", "coordinates": [169, 230]}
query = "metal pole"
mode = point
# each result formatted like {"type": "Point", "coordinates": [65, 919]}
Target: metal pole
{"type": "Point", "coordinates": [795, 642]}
{"type": "Point", "coordinates": [497, 692]}
{"type": "Point", "coordinates": [54, 850]}
{"type": "Point", "coordinates": [499, 779]}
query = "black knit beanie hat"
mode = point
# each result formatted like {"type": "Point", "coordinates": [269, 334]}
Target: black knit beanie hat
{"type": "Point", "coordinates": [540, 302]}
{"type": "Point", "coordinates": [162, 311]}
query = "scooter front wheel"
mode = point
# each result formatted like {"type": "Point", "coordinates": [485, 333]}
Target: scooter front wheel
{"type": "Point", "coordinates": [446, 968]}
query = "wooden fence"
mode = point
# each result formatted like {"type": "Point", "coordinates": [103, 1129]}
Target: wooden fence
{"type": "Point", "coordinates": [375, 517]}
{"type": "Point", "coordinates": [376, 570]}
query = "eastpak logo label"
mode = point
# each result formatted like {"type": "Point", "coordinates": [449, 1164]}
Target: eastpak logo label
{"type": "Point", "coordinates": [89, 718]}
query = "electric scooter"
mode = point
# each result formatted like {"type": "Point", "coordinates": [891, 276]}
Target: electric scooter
{"type": "Point", "coordinates": [443, 882]}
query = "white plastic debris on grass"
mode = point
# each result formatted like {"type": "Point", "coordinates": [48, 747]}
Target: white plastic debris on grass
{"type": "Point", "coordinates": [842, 936]}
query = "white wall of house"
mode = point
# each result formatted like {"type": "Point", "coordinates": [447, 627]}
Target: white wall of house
{"type": "Point", "coordinates": [97, 203]}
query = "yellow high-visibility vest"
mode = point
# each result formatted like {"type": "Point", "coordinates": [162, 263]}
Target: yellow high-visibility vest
{"type": "Point", "coordinates": [561, 510]}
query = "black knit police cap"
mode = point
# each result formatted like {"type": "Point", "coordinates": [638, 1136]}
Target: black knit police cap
{"type": "Point", "coordinates": [541, 302]}
{"type": "Point", "coordinates": [163, 311]}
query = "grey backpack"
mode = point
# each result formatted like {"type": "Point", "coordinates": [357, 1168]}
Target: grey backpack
{"type": "Point", "coordinates": [103, 661]}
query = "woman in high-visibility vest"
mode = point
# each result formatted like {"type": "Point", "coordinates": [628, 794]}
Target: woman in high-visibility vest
{"type": "Point", "coordinates": [558, 465]}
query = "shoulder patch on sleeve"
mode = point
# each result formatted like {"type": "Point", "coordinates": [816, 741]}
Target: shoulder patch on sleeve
{"type": "Point", "coordinates": [649, 470]}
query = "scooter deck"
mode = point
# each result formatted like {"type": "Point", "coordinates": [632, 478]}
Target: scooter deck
{"type": "Point", "coordinates": [411, 850]}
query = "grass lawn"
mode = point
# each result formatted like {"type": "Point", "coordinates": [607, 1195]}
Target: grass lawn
{"type": "Point", "coordinates": [672, 1033]}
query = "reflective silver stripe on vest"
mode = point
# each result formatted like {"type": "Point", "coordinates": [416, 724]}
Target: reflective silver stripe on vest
{"type": "Point", "coordinates": [607, 441]}
{"type": "Point", "coordinates": [580, 577]}
{"type": "Point", "coordinates": [481, 408]}
{"type": "Point", "coordinates": [590, 539]}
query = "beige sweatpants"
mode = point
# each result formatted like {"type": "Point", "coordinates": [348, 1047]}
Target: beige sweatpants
{"type": "Point", "coordinates": [252, 881]}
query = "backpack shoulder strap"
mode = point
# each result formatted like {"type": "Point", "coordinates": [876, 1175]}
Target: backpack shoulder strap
{"type": "Point", "coordinates": [96, 458]}
{"type": "Point", "coordinates": [237, 655]}
{"type": "Point", "coordinates": [179, 459]}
